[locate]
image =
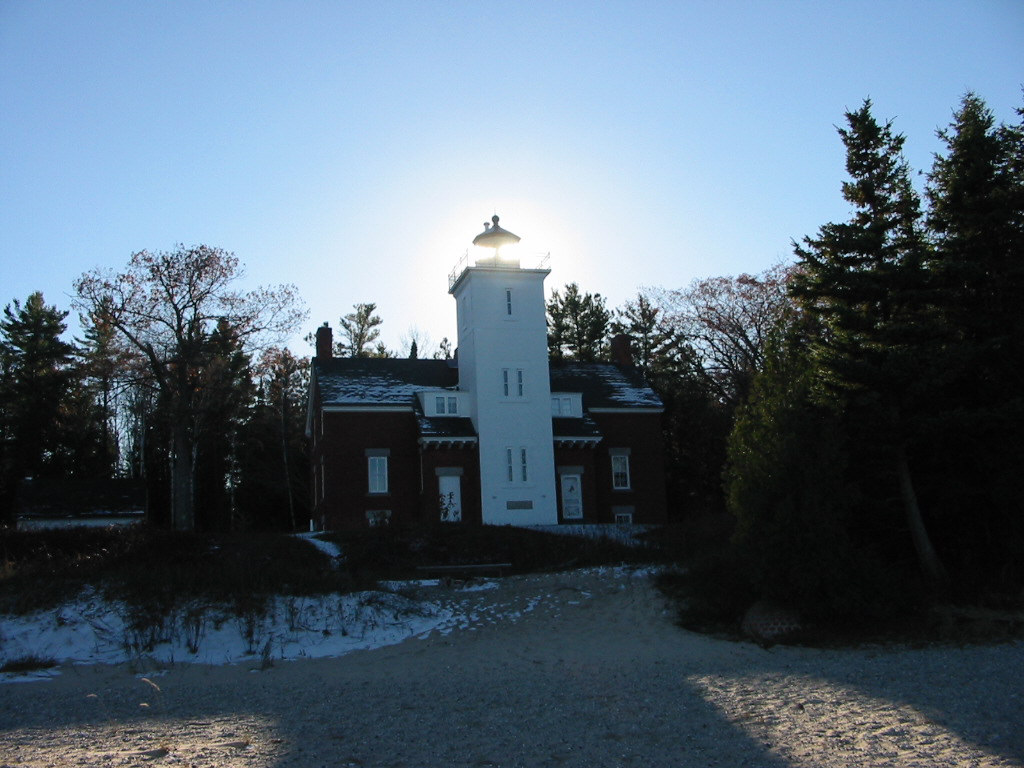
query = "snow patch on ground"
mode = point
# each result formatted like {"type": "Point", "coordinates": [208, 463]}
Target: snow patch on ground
{"type": "Point", "coordinates": [91, 630]}
{"type": "Point", "coordinates": [329, 548]}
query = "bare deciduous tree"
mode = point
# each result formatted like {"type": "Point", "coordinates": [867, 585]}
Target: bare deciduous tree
{"type": "Point", "coordinates": [167, 305]}
{"type": "Point", "coordinates": [726, 321]}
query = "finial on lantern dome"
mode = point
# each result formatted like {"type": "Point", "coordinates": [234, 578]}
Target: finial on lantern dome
{"type": "Point", "coordinates": [494, 236]}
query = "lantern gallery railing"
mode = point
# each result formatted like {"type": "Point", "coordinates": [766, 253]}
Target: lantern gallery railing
{"type": "Point", "coordinates": [538, 260]}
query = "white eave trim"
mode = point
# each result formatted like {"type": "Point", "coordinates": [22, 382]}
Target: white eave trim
{"type": "Point", "coordinates": [367, 408]}
{"type": "Point", "coordinates": [447, 442]}
{"type": "Point", "coordinates": [632, 409]}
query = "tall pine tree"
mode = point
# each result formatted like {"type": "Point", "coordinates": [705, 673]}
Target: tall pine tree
{"type": "Point", "coordinates": [577, 324]}
{"type": "Point", "coordinates": [36, 374]}
{"type": "Point", "coordinates": [863, 280]}
{"type": "Point", "coordinates": [976, 270]}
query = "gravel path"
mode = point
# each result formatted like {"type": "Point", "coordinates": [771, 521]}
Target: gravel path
{"type": "Point", "coordinates": [589, 671]}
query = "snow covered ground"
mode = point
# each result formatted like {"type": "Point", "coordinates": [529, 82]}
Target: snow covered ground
{"type": "Point", "coordinates": [92, 630]}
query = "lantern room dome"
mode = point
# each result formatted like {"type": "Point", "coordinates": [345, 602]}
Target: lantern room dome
{"type": "Point", "coordinates": [494, 236]}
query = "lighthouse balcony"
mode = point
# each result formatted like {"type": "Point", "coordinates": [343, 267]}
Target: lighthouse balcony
{"type": "Point", "coordinates": [492, 261]}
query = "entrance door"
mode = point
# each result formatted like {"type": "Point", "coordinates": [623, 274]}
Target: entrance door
{"type": "Point", "coordinates": [451, 498]}
{"type": "Point", "coordinates": [572, 497]}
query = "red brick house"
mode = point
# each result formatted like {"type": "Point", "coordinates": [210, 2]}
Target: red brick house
{"type": "Point", "coordinates": [503, 436]}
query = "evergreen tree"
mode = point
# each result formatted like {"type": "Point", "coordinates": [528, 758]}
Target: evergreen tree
{"type": "Point", "coordinates": [976, 270]}
{"type": "Point", "coordinates": [640, 319]}
{"type": "Point", "coordinates": [360, 328]}
{"type": "Point", "coordinates": [274, 457]}
{"type": "Point", "coordinates": [577, 324]}
{"type": "Point", "coordinates": [225, 387]}
{"type": "Point", "coordinates": [444, 350]}
{"type": "Point", "coordinates": [36, 375]}
{"type": "Point", "coordinates": [787, 487]}
{"type": "Point", "coordinates": [863, 281]}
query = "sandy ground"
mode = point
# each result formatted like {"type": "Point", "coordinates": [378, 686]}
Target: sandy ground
{"type": "Point", "coordinates": [591, 672]}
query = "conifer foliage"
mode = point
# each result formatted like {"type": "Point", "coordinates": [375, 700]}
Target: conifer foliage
{"type": "Point", "coordinates": [882, 441]}
{"type": "Point", "coordinates": [863, 280]}
{"type": "Point", "coordinates": [35, 376]}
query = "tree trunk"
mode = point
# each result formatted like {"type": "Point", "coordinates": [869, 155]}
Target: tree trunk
{"type": "Point", "coordinates": [926, 555]}
{"type": "Point", "coordinates": [284, 457]}
{"type": "Point", "coordinates": [182, 480]}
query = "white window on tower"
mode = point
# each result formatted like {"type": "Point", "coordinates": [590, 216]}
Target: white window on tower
{"type": "Point", "coordinates": [516, 466]}
{"type": "Point", "coordinates": [439, 404]}
{"type": "Point", "coordinates": [508, 302]}
{"type": "Point", "coordinates": [453, 405]}
{"type": "Point", "coordinates": [513, 382]}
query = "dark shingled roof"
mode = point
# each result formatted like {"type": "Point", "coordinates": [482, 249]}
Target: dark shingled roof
{"type": "Point", "coordinates": [446, 427]}
{"type": "Point", "coordinates": [574, 428]}
{"type": "Point", "coordinates": [604, 385]}
{"type": "Point", "coordinates": [387, 381]}
{"type": "Point", "coordinates": [379, 381]}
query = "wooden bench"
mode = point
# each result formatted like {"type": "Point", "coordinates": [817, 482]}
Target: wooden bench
{"type": "Point", "coordinates": [471, 569]}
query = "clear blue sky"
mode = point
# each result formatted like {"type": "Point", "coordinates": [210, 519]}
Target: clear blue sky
{"type": "Point", "coordinates": [355, 148]}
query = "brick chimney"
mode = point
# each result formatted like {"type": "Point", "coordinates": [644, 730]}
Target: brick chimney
{"type": "Point", "coordinates": [324, 342]}
{"type": "Point", "coordinates": [622, 350]}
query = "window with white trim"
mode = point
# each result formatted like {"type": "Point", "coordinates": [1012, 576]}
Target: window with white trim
{"type": "Point", "coordinates": [620, 471]}
{"type": "Point", "coordinates": [516, 465]}
{"type": "Point", "coordinates": [508, 302]}
{"type": "Point", "coordinates": [445, 404]}
{"type": "Point", "coordinates": [377, 468]}
{"type": "Point", "coordinates": [513, 382]}
{"type": "Point", "coordinates": [561, 405]}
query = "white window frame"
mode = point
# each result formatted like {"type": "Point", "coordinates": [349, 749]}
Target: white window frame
{"type": "Point", "coordinates": [453, 404]}
{"type": "Point", "coordinates": [508, 302]}
{"type": "Point", "coordinates": [439, 404]}
{"type": "Point", "coordinates": [623, 470]}
{"type": "Point", "coordinates": [513, 383]}
{"type": "Point", "coordinates": [517, 468]}
{"type": "Point", "coordinates": [377, 474]}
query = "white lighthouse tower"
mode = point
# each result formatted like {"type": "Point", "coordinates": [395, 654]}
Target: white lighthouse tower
{"type": "Point", "coordinates": [503, 363]}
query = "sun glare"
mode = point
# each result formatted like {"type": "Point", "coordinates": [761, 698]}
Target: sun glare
{"type": "Point", "coordinates": [545, 237]}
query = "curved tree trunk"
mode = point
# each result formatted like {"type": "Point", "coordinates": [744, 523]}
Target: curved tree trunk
{"type": "Point", "coordinates": [182, 477]}
{"type": "Point", "coordinates": [926, 555]}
